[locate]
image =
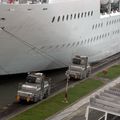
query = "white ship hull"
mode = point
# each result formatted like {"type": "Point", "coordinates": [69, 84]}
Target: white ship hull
{"type": "Point", "coordinates": [30, 40]}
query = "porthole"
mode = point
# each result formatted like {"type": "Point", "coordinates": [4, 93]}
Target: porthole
{"type": "Point", "coordinates": [96, 26]}
{"type": "Point", "coordinates": [81, 15]}
{"type": "Point", "coordinates": [63, 18]}
{"type": "Point", "coordinates": [53, 19]}
{"type": "Point", "coordinates": [112, 22]}
{"type": "Point", "coordinates": [85, 14]}
{"type": "Point", "coordinates": [42, 47]}
{"type": "Point", "coordinates": [68, 45]}
{"type": "Point", "coordinates": [57, 46]}
{"type": "Point", "coordinates": [91, 39]}
{"type": "Point", "coordinates": [78, 43]}
{"type": "Point", "coordinates": [75, 16]}
{"type": "Point", "coordinates": [99, 25]}
{"type": "Point", "coordinates": [67, 17]}
{"type": "Point", "coordinates": [58, 19]}
{"type": "Point", "coordinates": [82, 42]}
{"type": "Point", "coordinates": [103, 36]}
{"type": "Point", "coordinates": [71, 16]}
{"type": "Point", "coordinates": [97, 37]}
{"type": "Point", "coordinates": [88, 40]}
{"type": "Point", "coordinates": [107, 23]}
{"type": "Point", "coordinates": [91, 13]}
{"type": "Point", "coordinates": [78, 15]}
{"type": "Point", "coordinates": [50, 47]}
{"type": "Point", "coordinates": [63, 45]}
{"type": "Point", "coordinates": [73, 44]}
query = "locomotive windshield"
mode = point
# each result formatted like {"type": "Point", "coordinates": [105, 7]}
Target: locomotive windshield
{"type": "Point", "coordinates": [76, 61]}
{"type": "Point", "coordinates": [31, 79]}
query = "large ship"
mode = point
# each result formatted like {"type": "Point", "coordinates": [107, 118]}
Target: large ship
{"type": "Point", "coordinates": [41, 35]}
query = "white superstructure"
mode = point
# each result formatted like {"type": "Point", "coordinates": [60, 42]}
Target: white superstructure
{"type": "Point", "coordinates": [47, 36]}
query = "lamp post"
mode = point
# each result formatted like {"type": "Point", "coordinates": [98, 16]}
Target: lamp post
{"type": "Point", "coordinates": [66, 90]}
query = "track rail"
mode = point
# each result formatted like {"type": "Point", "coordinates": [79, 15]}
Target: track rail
{"type": "Point", "coordinates": [57, 85]}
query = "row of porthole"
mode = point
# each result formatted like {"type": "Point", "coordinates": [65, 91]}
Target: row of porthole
{"type": "Point", "coordinates": [75, 44]}
{"type": "Point", "coordinates": [61, 46]}
{"type": "Point", "coordinates": [112, 22]}
{"type": "Point", "coordinates": [89, 40]}
{"type": "Point", "coordinates": [95, 26]}
{"type": "Point", "coordinates": [72, 16]}
{"type": "Point", "coordinates": [116, 32]}
{"type": "Point", "coordinates": [93, 39]}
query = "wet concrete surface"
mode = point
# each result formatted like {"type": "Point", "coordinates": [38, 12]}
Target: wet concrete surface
{"type": "Point", "coordinates": [8, 88]}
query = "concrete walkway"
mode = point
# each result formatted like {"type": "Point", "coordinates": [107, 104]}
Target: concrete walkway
{"type": "Point", "coordinates": [67, 112]}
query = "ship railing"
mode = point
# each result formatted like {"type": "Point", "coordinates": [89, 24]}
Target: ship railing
{"type": "Point", "coordinates": [24, 1]}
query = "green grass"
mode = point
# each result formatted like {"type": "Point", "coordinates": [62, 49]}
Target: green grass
{"type": "Point", "coordinates": [55, 104]}
{"type": "Point", "coordinates": [113, 72]}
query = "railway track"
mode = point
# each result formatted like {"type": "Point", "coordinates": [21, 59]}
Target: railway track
{"type": "Point", "coordinates": [15, 108]}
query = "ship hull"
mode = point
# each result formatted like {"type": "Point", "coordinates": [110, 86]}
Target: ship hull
{"type": "Point", "coordinates": [30, 40]}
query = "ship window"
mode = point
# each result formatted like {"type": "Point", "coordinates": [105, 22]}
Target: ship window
{"type": "Point", "coordinates": [67, 17]}
{"type": "Point", "coordinates": [75, 16]}
{"type": "Point", "coordinates": [63, 18]}
{"type": "Point", "coordinates": [63, 45]}
{"type": "Point", "coordinates": [58, 19]}
{"type": "Point", "coordinates": [82, 15]}
{"type": "Point", "coordinates": [96, 26]}
{"type": "Point", "coordinates": [91, 13]}
{"type": "Point", "coordinates": [85, 14]}
{"type": "Point", "coordinates": [68, 45]}
{"type": "Point", "coordinates": [112, 22]}
{"type": "Point", "coordinates": [42, 47]}
{"type": "Point", "coordinates": [82, 42]}
{"type": "Point", "coordinates": [73, 44]}
{"type": "Point", "coordinates": [101, 24]}
{"type": "Point", "coordinates": [77, 43]}
{"type": "Point", "coordinates": [50, 47]}
{"type": "Point", "coordinates": [78, 15]}
{"type": "Point", "coordinates": [71, 16]}
{"type": "Point", "coordinates": [93, 27]}
{"type": "Point", "coordinates": [91, 39]}
{"type": "Point", "coordinates": [103, 36]}
{"type": "Point", "coordinates": [94, 38]}
{"type": "Point", "coordinates": [88, 40]}
{"type": "Point", "coordinates": [107, 23]}
{"type": "Point", "coordinates": [53, 19]}
{"type": "Point", "coordinates": [97, 37]}
{"type": "Point", "coordinates": [57, 46]}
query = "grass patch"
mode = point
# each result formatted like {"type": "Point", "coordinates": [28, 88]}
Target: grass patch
{"type": "Point", "coordinates": [113, 72]}
{"type": "Point", "coordinates": [55, 104]}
